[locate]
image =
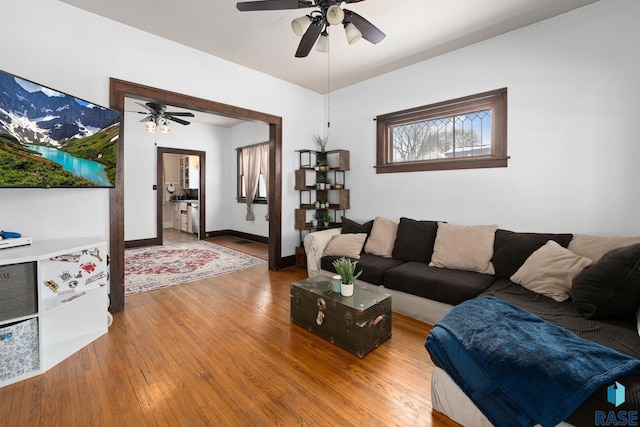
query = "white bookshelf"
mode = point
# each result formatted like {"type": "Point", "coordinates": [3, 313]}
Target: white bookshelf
{"type": "Point", "coordinates": [72, 287]}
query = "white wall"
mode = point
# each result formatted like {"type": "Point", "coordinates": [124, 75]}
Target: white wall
{"type": "Point", "coordinates": [140, 173]}
{"type": "Point", "coordinates": [572, 129]}
{"type": "Point", "coordinates": [572, 137]}
{"type": "Point", "coordinates": [76, 52]}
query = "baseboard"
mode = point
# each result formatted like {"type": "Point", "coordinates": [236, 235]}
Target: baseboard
{"type": "Point", "coordinates": [288, 261]}
{"type": "Point", "coordinates": [238, 234]}
{"type": "Point", "coordinates": [128, 244]}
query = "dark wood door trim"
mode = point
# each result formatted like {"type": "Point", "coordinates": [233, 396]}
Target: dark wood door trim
{"type": "Point", "coordinates": [118, 89]}
{"type": "Point", "coordinates": [202, 184]}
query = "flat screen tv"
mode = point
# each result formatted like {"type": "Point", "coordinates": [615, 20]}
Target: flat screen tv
{"type": "Point", "coordinates": [49, 139]}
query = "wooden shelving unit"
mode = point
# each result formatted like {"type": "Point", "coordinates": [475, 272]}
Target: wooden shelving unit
{"type": "Point", "coordinates": [321, 182]}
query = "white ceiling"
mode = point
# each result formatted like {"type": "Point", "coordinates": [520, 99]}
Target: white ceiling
{"type": "Point", "coordinates": [264, 41]}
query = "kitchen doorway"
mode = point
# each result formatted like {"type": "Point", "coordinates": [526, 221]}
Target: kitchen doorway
{"type": "Point", "coordinates": [180, 197]}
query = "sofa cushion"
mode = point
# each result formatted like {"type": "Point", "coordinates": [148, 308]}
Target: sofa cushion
{"type": "Point", "coordinates": [414, 240]}
{"type": "Point", "coordinates": [438, 284]}
{"type": "Point", "coordinates": [372, 266]}
{"type": "Point", "coordinates": [351, 226]}
{"type": "Point", "coordinates": [550, 270]}
{"type": "Point", "coordinates": [610, 287]}
{"type": "Point", "coordinates": [595, 247]}
{"type": "Point", "coordinates": [349, 245]}
{"type": "Point", "coordinates": [461, 247]}
{"type": "Point", "coordinates": [511, 249]}
{"type": "Point", "coordinates": [382, 237]}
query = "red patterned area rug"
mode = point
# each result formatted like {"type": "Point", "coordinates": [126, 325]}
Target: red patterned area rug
{"type": "Point", "coordinates": [155, 267]}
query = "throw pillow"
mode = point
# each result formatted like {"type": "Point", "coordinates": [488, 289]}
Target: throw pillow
{"type": "Point", "coordinates": [348, 245]}
{"type": "Point", "coordinates": [351, 226]}
{"type": "Point", "coordinates": [611, 287]}
{"type": "Point", "coordinates": [382, 237]}
{"type": "Point", "coordinates": [414, 240]}
{"type": "Point", "coordinates": [461, 247]}
{"type": "Point", "coordinates": [512, 249]}
{"type": "Point", "coordinates": [550, 270]}
{"type": "Point", "coordinates": [595, 247]}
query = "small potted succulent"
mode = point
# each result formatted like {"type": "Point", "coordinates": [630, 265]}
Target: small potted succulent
{"type": "Point", "coordinates": [326, 218]}
{"type": "Point", "coordinates": [321, 182]}
{"type": "Point", "coordinates": [346, 268]}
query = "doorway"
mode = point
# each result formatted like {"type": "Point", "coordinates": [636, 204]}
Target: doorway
{"type": "Point", "coordinates": [180, 199]}
{"type": "Point", "coordinates": [118, 89]}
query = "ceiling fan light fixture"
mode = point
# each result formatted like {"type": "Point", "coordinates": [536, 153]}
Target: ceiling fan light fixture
{"type": "Point", "coordinates": [323, 42]}
{"type": "Point", "coordinates": [164, 128]}
{"type": "Point", "coordinates": [150, 126]}
{"type": "Point", "coordinates": [353, 34]}
{"type": "Point", "coordinates": [335, 15]}
{"type": "Point", "coordinates": [300, 25]}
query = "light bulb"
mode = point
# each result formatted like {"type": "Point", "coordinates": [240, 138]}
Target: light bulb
{"type": "Point", "coordinates": [323, 42]}
{"type": "Point", "coordinates": [353, 34]}
{"type": "Point", "coordinates": [300, 25]}
{"type": "Point", "coordinates": [335, 15]}
{"type": "Point", "coordinates": [151, 126]}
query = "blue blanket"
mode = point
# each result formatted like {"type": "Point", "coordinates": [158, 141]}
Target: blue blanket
{"type": "Point", "coordinates": [518, 369]}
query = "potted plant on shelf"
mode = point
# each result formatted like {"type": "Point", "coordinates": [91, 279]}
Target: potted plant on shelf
{"type": "Point", "coordinates": [327, 184]}
{"type": "Point", "coordinates": [346, 268]}
{"type": "Point", "coordinates": [321, 181]}
{"type": "Point", "coordinates": [326, 218]}
{"type": "Point", "coordinates": [321, 165]}
{"type": "Point", "coordinates": [315, 219]}
{"type": "Point", "coordinates": [321, 141]}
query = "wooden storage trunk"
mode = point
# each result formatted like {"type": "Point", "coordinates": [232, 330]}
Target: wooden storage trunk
{"type": "Point", "coordinates": [358, 324]}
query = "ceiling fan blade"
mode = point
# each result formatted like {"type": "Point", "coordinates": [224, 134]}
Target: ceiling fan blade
{"type": "Point", "coordinates": [179, 113]}
{"type": "Point", "coordinates": [369, 31]}
{"type": "Point", "coordinates": [309, 38]}
{"type": "Point", "coordinates": [145, 107]}
{"type": "Point", "coordinates": [273, 5]}
{"type": "Point", "coordinates": [352, 1]}
{"type": "Point", "coordinates": [146, 119]}
{"type": "Point", "coordinates": [177, 120]}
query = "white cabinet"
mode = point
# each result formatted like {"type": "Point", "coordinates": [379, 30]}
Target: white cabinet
{"type": "Point", "coordinates": [68, 280]}
{"type": "Point", "coordinates": [189, 172]}
{"type": "Point", "coordinates": [183, 216]}
{"type": "Point", "coordinates": [175, 215]}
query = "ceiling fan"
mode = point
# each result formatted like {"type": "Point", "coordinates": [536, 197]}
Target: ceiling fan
{"type": "Point", "coordinates": [157, 115]}
{"type": "Point", "coordinates": [314, 26]}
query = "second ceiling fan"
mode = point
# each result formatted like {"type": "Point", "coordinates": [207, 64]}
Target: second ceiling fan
{"type": "Point", "coordinates": [315, 25]}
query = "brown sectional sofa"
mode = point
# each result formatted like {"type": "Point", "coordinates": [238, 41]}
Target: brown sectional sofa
{"type": "Point", "coordinates": [600, 308]}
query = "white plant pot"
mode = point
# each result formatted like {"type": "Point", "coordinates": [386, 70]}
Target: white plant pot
{"type": "Point", "coordinates": [346, 290]}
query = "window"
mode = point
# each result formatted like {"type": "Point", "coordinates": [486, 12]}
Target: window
{"type": "Point", "coordinates": [463, 133]}
{"type": "Point", "coordinates": [261, 195]}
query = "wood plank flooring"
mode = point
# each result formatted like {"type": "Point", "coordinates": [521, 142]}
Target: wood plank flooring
{"type": "Point", "coordinates": [222, 351]}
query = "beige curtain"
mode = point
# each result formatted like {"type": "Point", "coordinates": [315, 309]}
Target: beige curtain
{"type": "Point", "coordinates": [264, 169]}
{"type": "Point", "coordinates": [250, 175]}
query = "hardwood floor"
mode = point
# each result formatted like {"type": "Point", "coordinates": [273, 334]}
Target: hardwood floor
{"type": "Point", "coordinates": [172, 236]}
{"type": "Point", "coordinates": [222, 351]}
